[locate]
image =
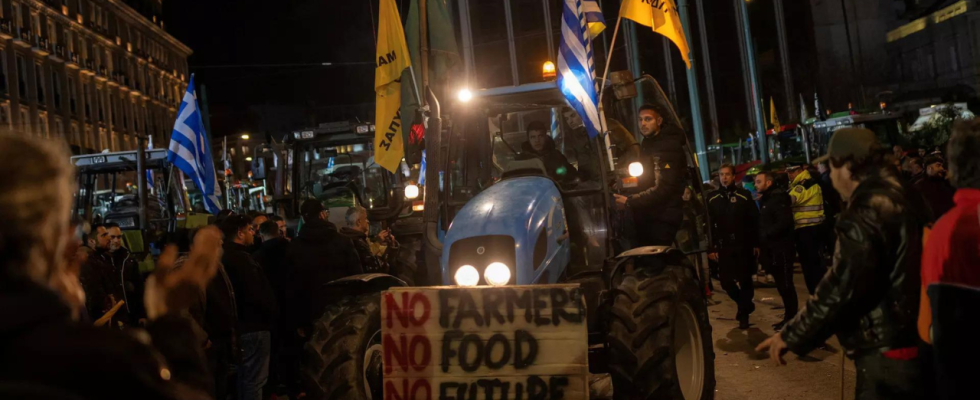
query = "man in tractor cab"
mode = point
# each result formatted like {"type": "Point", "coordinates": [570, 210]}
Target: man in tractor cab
{"type": "Point", "coordinates": [540, 145]}
{"type": "Point", "coordinates": [808, 214]}
{"type": "Point", "coordinates": [658, 208]}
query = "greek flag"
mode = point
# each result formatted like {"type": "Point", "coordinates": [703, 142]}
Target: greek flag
{"type": "Point", "coordinates": [191, 152]}
{"type": "Point", "coordinates": [576, 68]}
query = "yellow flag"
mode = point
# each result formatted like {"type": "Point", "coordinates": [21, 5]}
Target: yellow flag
{"type": "Point", "coordinates": [773, 118]}
{"type": "Point", "coordinates": [392, 59]}
{"type": "Point", "coordinates": [662, 16]}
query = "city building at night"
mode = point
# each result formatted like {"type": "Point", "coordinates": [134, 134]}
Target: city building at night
{"type": "Point", "coordinates": [95, 73]}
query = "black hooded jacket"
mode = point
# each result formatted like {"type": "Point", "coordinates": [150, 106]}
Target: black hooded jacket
{"type": "Point", "coordinates": [776, 223]}
{"type": "Point", "coordinates": [317, 256]}
{"type": "Point", "coordinates": [661, 200]}
{"type": "Point", "coordinates": [553, 160]}
{"type": "Point", "coordinates": [870, 296]}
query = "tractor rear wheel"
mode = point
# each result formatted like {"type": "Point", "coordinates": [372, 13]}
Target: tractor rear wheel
{"type": "Point", "coordinates": [343, 356]}
{"type": "Point", "coordinates": [659, 336]}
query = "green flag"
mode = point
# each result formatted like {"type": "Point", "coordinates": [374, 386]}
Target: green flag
{"type": "Point", "coordinates": [443, 60]}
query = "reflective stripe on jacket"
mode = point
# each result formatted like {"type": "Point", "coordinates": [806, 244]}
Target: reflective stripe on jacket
{"type": "Point", "coordinates": [807, 201]}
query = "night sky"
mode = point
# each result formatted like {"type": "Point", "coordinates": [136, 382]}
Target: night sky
{"type": "Point", "coordinates": [280, 99]}
{"type": "Point", "coordinates": [245, 32]}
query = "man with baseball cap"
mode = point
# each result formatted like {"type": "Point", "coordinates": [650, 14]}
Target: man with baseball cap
{"type": "Point", "coordinates": [870, 295]}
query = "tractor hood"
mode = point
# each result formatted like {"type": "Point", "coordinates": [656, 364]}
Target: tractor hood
{"type": "Point", "coordinates": [519, 222]}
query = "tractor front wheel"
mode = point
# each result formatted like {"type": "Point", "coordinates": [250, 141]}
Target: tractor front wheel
{"type": "Point", "coordinates": [343, 356]}
{"type": "Point", "coordinates": [659, 336]}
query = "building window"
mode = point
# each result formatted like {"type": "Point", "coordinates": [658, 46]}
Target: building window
{"type": "Point", "coordinates": [98, 102]}
{"type": "Point", "coordinates": [59, 130]}
{"type": "Point", "coordinates": [21, 76]}
{"type": "Point", "coordinates": [18, 21]}
{"type": "Point", "coordinates": [42, 125]}
{"type": "Point", "coordinates": [87, 100]}
{"type": "Point", "coordinates": [72, 94]}
{"type": "Point", "coordinates": [39, 82]}
{"type": "Point", "coordinates": [25, 120]}
{"type": "Point", "coordinates": [52, 32]}
{"type": "Point", "coordinates": [5, 115]}
{"type": "Point", "coordinates": [82, 142]}
{"type": "Point", "coordinates": [3, 71]}
{"type": "Point", "coordinates": [36, 24]}
{"type": "Point", "coordinates": [56, 89]}
{"type": "Point", "coordinates": [70, 40]}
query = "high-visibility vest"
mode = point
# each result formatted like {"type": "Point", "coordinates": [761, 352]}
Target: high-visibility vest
{"type": "Point", "coordinates": [807, 201]}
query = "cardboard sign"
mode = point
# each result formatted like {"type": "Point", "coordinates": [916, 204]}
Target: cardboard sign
{"type": "Point", "coordinates": [483, 343]}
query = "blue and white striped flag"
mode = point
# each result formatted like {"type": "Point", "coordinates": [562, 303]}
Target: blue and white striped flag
{"type": "Point", "coordinates": [576, 68]}
{"type": "Point", "coordinates": [191, 152]}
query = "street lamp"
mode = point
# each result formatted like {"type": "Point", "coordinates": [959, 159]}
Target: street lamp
{"type": "Point", "coordinates": [244, 136]}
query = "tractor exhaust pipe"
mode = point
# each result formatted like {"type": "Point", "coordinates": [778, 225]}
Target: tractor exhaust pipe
{"type": "Point", "coordinates": [433, 143]}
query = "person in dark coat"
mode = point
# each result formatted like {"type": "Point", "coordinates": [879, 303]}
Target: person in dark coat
{"type": "Point", "coordinates": [271, 255]}
{"type": "Point", "coordinates": [357, 231]}
{"type": "Point", "coordinates": [935, 188]}
{"type": "Point", "coordinates": [127, 281]}
{"type": "Point", "coordinates": [831, 207]}
{"type": "Point", "coordinates": [734, 220]}
{"type": "Point", "coordinates": [658, 208]}
{"type": "Point", "coordinates": [776, 241]}
{"type": "Point", "coordinates": [318, 255]}
{"type": "Point", "coordinates": [870, 296]}
{"type": "Point", "coordinates": [256, 302]}
{"type": "Point", "coordinates": [540, 145]}
{"type": "Point", "coordinates": [46, 352]}
{"type": "Point", "coordinates": [94, 274]}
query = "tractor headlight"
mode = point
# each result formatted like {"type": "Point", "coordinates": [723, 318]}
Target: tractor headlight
{"type": "Point", "coordinates": [497, 274]}
{"type": "Point", "coordinates": [411, 191]}
{"type": "Point", "coordinates": [467, 276]}
{"type": "Point", "coordinates": [636, 169]}
{"type": "Point", "coordinates": [464, 95]}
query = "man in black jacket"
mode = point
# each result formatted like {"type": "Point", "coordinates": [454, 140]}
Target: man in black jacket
{"type": "Point", "coordinates": [318, 255]}
{"type": "Point", "coordinates": [256, 302]}
{"type": "Point", "coordinates": [540, 145]}
{"type": "Point", "coordinates": [658, 208]}
{"type": "Point", "coordinates": [734, 227]}
{"type": "Point", "coordinates": [126, 279]}
{"type": "Point", "coordinates": [935, 187]}
{"type": "Point", "coordinates": [870, 296]}
{"type": "Point", "coordinates": [776, 241]}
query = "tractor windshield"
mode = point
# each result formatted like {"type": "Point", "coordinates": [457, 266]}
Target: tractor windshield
{"type": "Point", "coordinates": [337, 173]}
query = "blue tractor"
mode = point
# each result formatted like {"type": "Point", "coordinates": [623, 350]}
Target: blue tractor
{"type": "Point", "coordinates": [496, 216]}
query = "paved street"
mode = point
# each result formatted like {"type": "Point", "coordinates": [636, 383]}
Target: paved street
{"type": "Point", "coordinates": [744, 374]}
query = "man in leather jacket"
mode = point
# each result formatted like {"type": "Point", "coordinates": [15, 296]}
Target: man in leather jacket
{"type": "Point", "coordinates": [124, 273]}
{"type": "Point", "coordinates": [870, 296]}
{"type": "Point", "coordinates": [658, 208]}
{"type": "Point", "coordinates": [734, 228]}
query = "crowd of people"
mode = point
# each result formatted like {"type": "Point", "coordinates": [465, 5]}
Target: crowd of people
{"type": "Point", "coordinates": [223, 316]}
{"type": "Point", "coordinates": [887, 243]}
{"type": "Point", "coordinates": [859, 227]}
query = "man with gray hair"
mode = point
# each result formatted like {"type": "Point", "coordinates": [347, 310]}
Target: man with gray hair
{"type": "Point", "coordinates": [357, 230]}
{"type": "Point", "coordinates": [41, 297]}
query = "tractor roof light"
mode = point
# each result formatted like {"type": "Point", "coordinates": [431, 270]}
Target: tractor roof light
{"type": "Point", "coordinates": [467, 276]}
{"type": "Point", "coordinates": [497, 274]}
{"type": "Point", "coordinates": [635, 169]}
{"type": "Point", "coordinates": [411, 191]}
{"type": "Point", "coordinates": [464, 95]}
{"type": "Point", "coordinates": [548, 70]}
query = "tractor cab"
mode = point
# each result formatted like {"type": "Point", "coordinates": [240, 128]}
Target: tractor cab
{"type": "Point", "coordinates": [546, 199]}
{"type": "Point", "coordinates": [335, 164]}
{"type": "Point", "coordinates": [108, 193]}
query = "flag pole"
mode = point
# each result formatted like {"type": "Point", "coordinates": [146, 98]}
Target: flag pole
{"type": "Point", "coordinates": [612, 46]}
{"type": "Point", "coordinates": [602, 91]}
